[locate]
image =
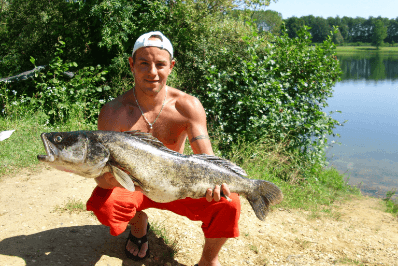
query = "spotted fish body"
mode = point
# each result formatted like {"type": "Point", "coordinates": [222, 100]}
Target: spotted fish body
{"type": "Point", "coordinates": [139, 159]}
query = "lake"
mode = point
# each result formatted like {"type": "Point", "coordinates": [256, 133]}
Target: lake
{"type": "Point", "coordinates": [368, 99]}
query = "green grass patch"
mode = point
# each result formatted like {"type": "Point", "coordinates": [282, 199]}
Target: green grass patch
{"type": "Point", "coordinates": [71, 205]}
{"type": "Point", "coordinates": [21, 149]}
{"type": "Point", "coordinates": [391, 204]}
{"type": "Point", "coordinates": [346, 50]}
{"type": "Point", "coordinates": [160, 231]}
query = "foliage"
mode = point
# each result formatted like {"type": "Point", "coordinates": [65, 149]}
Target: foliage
{"type": "Point", "coordinates": [275, 88]}
{"type": "Point", "coordinates": [198, 37]}
{"type": "Point", "coordinates": [33, 27]}
{"type": "Point", "coordinates": [392, 205]}
{"type": "Point", "coordinates": [293, 25]}
{"type": "Point", "coordinates": [103, 32]}
{"type": "Point", "coordinates": [352, 30]}
{"type": "Point", "coordinates": [337, 37]}
{"type": "Point", "coordinates": [63, 99]}
{"type": "Point", "coordinates": [379, 33]}
{"type": "Point", "coordinates": [279, 91]}
{"type": "Point", "coordinates": [266, 20]}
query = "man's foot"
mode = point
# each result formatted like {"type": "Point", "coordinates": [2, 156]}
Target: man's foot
{"type": "Point", "coordinates": [137, 248]}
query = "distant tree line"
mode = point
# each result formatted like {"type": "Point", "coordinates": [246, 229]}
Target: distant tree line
{"type": "Point", "coordinates": [351, 30]}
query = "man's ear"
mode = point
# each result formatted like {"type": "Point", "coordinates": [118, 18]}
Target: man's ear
{"type": "Point", "coordinates": [131, 62]}
{"type": "Point", "coordinates": [172, 64]}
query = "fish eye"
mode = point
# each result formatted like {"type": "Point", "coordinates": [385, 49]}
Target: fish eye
{"type": "Point", "coordinates": [58, 138]}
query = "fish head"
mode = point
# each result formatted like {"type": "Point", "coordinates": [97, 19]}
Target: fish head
{"type": "Point", "coordinates": [75, 152]}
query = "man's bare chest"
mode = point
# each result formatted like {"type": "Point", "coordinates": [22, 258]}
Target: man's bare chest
{"type": "Point", "coordinates": [170, 128]}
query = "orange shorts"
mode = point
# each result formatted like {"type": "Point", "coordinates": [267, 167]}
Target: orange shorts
{"type": "Point", "coordinates": [116, 207]}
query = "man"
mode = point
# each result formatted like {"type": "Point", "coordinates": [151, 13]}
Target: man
{"type": "Point", "coordinates": [171, 116]}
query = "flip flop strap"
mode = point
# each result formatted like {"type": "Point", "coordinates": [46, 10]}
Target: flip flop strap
{"type": "Point", "coordinates": [139, 241]}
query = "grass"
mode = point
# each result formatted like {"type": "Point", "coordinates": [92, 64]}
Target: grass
{"type": "Point", "coordinates": [343, 50]}
{"type": "Point", "coordinates": [350, 261]}
{"type": "Point", "coordinates": [160, 231]}
{"type": "Point", "coordinates": [21, 149]}
{"type": "Point", "coordinates": [253, 248]}
{"type": "Point", "coordinates": [71, 205]}
{"type": "Point", "coordinates": [304, 244]}
{"type": "Point", "coordinates": [391, 204]}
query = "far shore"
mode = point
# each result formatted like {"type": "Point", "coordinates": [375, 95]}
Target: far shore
{"type": "Point", "coordinates": [366, 49]}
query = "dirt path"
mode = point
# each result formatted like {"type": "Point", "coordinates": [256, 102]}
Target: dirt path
{"type": "Point", "coordinates": [356, 232]}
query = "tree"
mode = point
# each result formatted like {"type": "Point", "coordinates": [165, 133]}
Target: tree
{"type": "Point", "coordinates": [379, 33]}
{"type": "Point", "coordinates": [320, 30]}
{"type": "Point", "coordinates": [293, 25]}
{"type": "Point", "coordinates": [392, 31]}
{"type": "Point", "coordinates": [337, 37]}
{"type": "Point", "coordinates": [357, 29]}
{"type": "Point", "coordinates": [34, 27]}
{"type": "Point", "coordinates": [268, 20]}
{"type": "Point", "coordinates": [347, 33]}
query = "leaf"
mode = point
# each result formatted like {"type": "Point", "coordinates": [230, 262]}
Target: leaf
{"type": "Point", "coordinates": [32, 60]}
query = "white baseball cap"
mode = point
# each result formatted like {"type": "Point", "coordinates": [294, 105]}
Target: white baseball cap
{"type": "Point", "coordinates": [143, 41]}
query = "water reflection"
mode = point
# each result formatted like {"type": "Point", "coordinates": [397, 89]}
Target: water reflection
{"type": "Point", "coordinates": [367, 97]}
{"type": "Point", "coordinates": [365, 66]}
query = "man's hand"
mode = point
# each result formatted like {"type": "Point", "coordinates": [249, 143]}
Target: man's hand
{"type": "Point", "coordinates": [215, 194]}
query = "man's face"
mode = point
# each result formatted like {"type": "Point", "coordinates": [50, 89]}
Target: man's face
{"type": "Point", "coordinates": [151, 68]}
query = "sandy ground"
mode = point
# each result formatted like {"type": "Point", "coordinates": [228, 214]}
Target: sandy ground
{"type": "Point", "coordinates": [32, 232]}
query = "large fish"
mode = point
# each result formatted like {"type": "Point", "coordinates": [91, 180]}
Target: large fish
{"type": "Point", "coordinates": [137, 158]}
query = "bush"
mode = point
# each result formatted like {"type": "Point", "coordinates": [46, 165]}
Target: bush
{"type": "Point", "coordinates": [279, 91]}
{"type": "Point", "coordinates": [81, 97]}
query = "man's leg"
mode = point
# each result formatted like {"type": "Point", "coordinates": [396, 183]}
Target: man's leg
{"type": "Point", "coordinates": [210, 251]}
{"type": "Point", "coordinates": [138, 229]}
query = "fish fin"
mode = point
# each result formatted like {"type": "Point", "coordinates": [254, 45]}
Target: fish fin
{"type": "Point", "coordinates": [150, 139]}
{"type": "Point", "coordinates": [264, 195]}
{"type": "Point", "coordinates": [221, 162]}
{"type": "Point", "coordinates": [147, 137]}
{"type": "Point", "coordinates": [123, 178]}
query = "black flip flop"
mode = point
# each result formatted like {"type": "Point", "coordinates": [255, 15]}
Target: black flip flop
{"type": "Point", "coordinates": [138, 242]}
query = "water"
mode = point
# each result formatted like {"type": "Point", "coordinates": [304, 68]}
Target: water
{"type": "Point", "coordinates": [367, 97]}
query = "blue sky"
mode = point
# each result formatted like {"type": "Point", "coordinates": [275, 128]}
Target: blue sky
{"type": "Point", "coordinates": [333, 8]}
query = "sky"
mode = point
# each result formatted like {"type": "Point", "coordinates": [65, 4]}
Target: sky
{"type": "Point", "coordinates": [333, 8]}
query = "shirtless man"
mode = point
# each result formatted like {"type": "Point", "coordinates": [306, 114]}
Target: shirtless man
{"type": "Point", "coordinates": [171, 116]}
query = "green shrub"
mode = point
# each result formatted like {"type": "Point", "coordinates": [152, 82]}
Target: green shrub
{"type": "Point", "coordinates": [278, 91]}
{"type": "Point", "coordinates": [81, 97]}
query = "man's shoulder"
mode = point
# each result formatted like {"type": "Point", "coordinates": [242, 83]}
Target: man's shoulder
{"type": "Point", "coordinates": [187, 104]}
{"type": "Point", "coordinates": [114, 106]}
{"type": "Point", "coordinates": [113, 115]}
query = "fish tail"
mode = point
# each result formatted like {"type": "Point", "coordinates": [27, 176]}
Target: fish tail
{"type": "Point", "coordinates": [264, 195]}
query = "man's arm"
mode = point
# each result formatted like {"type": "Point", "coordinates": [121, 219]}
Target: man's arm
{"type": "Point", "coordinates": [199, 138]}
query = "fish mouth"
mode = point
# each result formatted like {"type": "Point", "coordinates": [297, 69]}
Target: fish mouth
{"type": "Point", "coordinates": [50, 150]}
